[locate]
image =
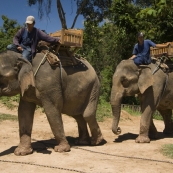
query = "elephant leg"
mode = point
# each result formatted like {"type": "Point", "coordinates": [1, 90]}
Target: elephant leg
{"type": "Point", "coordinates": [84, 138]}
{"type": "Point", "coordinates": [147, 108]}
{"type": "Point", "coordinates": [53, 113]}
{"type": "Point", "coordinates": [167, 117]}
{"type": "Point", "coordinates": [25, 117]}
{"type": "Point", "coordinates": [90, 117]}
{"type": "Point", "coordinates": [152, 130]}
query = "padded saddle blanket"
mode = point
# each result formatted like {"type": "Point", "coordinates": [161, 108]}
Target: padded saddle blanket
{"type": "Point", "coordinates": [64, 57]}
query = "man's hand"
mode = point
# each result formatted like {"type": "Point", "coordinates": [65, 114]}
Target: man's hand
{"type": "Point", "coordinates": [168, 43]}
{"type": "Point", "coordinates": [132, 57]}
{"type": "Point", "coordinates": [20, 49]}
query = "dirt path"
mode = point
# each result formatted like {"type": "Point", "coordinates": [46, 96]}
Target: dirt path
{"type": "Point", "coordinates": [111, 157]}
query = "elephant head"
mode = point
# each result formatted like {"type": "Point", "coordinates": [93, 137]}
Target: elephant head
{"type": "Point", "coordinates": [127, 80]}
{"type": "Point", "coordinates": [16, 74]}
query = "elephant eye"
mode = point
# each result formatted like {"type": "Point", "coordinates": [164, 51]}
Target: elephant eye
{"type": "Point", "coordinates": [125, 82]}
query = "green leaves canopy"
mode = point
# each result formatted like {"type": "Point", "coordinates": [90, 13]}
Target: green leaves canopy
{"type": "Point", "coordinates": [7, 32]}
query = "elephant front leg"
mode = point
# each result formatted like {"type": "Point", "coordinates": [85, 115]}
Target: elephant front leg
{"type": "Point", "coordinates": [25, 117]}
{"type": "Point", "coordinates": [146, 124]}
{"type": "Point", "coordinates": [167, 117]}
{"type": "Point", "coordinates": [143, 134]}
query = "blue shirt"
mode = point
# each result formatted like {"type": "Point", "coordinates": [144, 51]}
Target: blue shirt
{"type": "Point", "coordinates": [142, 52]}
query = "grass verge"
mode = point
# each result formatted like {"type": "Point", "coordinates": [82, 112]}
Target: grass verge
{"type": "Point", "coordinates": [103, 111]}
{"type": "Point", "coordinates": [167, 150]}
{"type": "Point", "coordinates": [8, 117]}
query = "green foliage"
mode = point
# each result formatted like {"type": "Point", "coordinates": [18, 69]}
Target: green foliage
{"type": "Point", "coordinates": [167, 150]}
{"type": "Point", "coordinates": [103, 110]}
{"type": "Point", "coordinates": [157, 116]}
{"type": "Point", "coordinates": [131, 112]}
{"type": "Point", "coordinates": [7, 32]}
{"type": "Point", "coordinates": [10, 102]}
{"type": "Point", "coordinates": [4, 117]}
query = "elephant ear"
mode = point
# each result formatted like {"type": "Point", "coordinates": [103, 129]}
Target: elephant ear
{"type": "Point", "coordinates": [145, 79]}
{"type": "Point", "coordinates": [26, 75]}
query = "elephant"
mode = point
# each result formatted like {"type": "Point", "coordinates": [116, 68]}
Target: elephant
{"type": "Point", "coordinates": [153, 87]}
{"type": "Point", "coordinates": [70, 90]}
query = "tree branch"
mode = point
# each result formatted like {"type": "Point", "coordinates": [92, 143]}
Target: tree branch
{"type": "Point", "coordinates": [79, 11]}
{"type": "Point", "coordinates": [61, 14]}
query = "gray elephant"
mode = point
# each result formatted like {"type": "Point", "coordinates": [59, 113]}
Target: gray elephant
{"type": "Point", "coordinates": [155, 93]}
{"type": "Point", "coordinates": [72, 90]}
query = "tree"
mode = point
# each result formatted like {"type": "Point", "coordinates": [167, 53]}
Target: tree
{"type": "Point", "coordinates": [7, 32]}
{"type": "Point", "coordinates": [94, 9]}
{"type": "Point", "coordinates": [160, 15]}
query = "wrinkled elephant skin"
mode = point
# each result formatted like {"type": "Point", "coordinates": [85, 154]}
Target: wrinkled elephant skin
{"type": "Point", "coordinates": [154, 91]}
{"type": "Point", "coordinates": [72, 90]}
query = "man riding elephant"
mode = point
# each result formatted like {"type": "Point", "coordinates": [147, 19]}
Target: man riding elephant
{"type": "Point", "coordinates": [26, 39]}
{"type": "Point", "coordinates": [141, 50]}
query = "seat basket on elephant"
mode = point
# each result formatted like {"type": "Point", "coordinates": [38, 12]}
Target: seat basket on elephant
{"type": "Point", "coordinates": [163, 57]}
{"type": "Point", "coordinates": [64, 55]}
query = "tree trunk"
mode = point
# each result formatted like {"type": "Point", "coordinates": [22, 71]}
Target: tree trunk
{"type": "Point", "coordinates": [61, 14]}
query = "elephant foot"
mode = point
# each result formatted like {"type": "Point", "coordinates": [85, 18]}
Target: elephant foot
{"type": "Point", "coordinates": [97, 141]}
{"type": "Point", "coordinates": [23, 151]}
{"type": "Point", "coordinates": [142, 139]}
{"type": "Point", "coordinates": [65, 147]}
{"type": "Point", "coordinates": [82, 142]}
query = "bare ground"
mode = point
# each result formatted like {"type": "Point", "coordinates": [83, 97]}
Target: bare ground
{"type": "Point", "coordinates": [118, 154]}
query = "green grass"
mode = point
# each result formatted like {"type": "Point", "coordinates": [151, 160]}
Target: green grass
{"type": "Point", "coordinates": [4, 117]}
{"type": "Point", "coordinates": [167, 150]}
{"type": "Point", "coordinates": [156, 116]}
{"type": "Point", "coordinates": [10, 102]}
{"type": "Point", "coordinates": [103, 111]}
{"type": "Point", "coordinates": [131, 112]}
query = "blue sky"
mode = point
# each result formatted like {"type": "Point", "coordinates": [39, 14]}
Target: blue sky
{"type": "Point", "coordinates": [19, 10]}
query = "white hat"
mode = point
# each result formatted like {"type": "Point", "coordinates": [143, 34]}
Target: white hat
{"type": "Point", "coordinates": [30, 20]}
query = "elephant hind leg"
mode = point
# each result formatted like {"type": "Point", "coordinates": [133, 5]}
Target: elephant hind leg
{"type": "Point", "coordinates": [84, 138]}
{"type": "Point", "coordinates": [90, 117]}
{"type": "Point", "coordinates": [167, 118]}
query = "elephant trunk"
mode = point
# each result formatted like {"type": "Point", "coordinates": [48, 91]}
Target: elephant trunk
{"type": "Point", "coordinates": [116, 111]}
